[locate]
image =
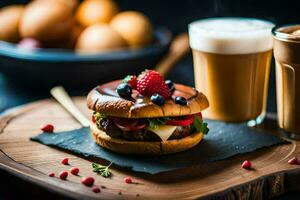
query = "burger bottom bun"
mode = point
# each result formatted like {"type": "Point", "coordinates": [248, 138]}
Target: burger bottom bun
{"type": "Point", "coordinates": [139, 147]}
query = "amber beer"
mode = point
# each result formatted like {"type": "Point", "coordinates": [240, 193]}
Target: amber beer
{"type": "Point", "coordinates": [231, 66]}
{"type": "Point", "coordinates": [287, 56]}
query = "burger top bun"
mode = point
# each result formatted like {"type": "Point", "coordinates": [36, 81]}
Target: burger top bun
{"type": "Point", "coordinates": [9, 22]}
{"type": "Point", "coordinates": [96, 11]}
{"type": "Point", "coordinates": [98, 38]}
{"type": "Point", "coordinates": [46, 21]}
{"type": "Point", "coordinates": [134, 27]}
{"type": "Point", "coordinates": [105, 100]}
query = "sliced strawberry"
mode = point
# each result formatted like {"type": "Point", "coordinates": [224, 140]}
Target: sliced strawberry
{"type": "Point", "coordinates": [182, 121]}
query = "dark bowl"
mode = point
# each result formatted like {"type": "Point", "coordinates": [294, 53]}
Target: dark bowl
{"type": "Point", "coordinates": [45, 68]}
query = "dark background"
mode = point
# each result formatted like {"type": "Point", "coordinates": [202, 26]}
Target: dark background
{"type": "Point", "coordinates": [174, 14]}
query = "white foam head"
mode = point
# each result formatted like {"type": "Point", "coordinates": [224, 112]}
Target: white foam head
{"type": "Point", "coordinates": [231, 35]}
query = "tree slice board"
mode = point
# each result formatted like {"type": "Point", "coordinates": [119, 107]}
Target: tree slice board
{"type": "Point", "coordinates": [31, 161]}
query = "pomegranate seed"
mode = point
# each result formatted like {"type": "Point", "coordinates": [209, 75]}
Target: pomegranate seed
{"type": "Point", "coordinates": [293, 161]}
{"type": "Point", "coordinates": [63, 175]}
{"type": "Point", "coordinates": [65, 161]}
{"type": "Point", "coordinates": [96, 189]}
{"type": "Point", "coordinates": [51, 174]}
{"type": "Point", "coordinates": [127, 179]}
{"type": "Point", "coordinates": [94, 119]}
{"type": "Point", "coordinates": [88, 181]}
{"type": "Point", "coordinates": [246, 164]}
{"type": "Point", "coordinates": [74, 170]}
{"type": "Point", "coordinates": [47, 128]}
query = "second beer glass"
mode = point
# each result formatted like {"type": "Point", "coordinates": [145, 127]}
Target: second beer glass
{"type": "Point", "coordinates": [231, 65]}
{"type": "Point", "coordinates": [287, 56]}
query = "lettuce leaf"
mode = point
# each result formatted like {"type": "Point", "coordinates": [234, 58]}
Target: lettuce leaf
{"type": "Point", "coordinates": [200, 126]}
{"type": "Point", "coordinates": [154, 123]}
{"type": "Point", "coordinates": [99, 118]}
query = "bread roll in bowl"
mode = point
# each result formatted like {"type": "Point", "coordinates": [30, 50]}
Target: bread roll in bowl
{"type": "Point", "coordinates": [99, 38]}
{"type": "Point", "coordinates": [10, 17]}
{"type": "Point", "coordinates": [71, 3]}
{"type": "Point", "coordinates": [134, 27]}
{"type": "Point", "coordinates": [46, 21]}
{"type": "Point", "coordinates": [96, 11]}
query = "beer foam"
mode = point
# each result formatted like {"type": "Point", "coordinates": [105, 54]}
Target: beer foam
{"type": "Point", "coordinates": [231, 35]}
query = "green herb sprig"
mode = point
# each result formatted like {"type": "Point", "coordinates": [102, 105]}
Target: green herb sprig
{"type": "Point", "coordinates": [102, 169]}
{"type": "Point", "coordinates": [200, 126]}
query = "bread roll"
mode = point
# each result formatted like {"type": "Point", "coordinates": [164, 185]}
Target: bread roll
{"type": "Point", "coordinates": [134, 27]}
{"type": "Point", "coordinates": [71, 3]}
{"type": "Point", "coordinates": [99, 38]}
{"type": "Point", "coordinates": [46, 21]}
{"type": "Point", "coordinates": [96, 11]}
{"type": "Point", "coordinates": [9, 22]}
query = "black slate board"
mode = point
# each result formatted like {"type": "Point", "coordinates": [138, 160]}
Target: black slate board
{"type": "Point", "coordinates": [223, 141]}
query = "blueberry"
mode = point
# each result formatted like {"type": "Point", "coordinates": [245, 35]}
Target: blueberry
{"type": "Point", "coordinates": [124, 90]}
{"type": "Point", "coordinates": [181, 101]}
{"type": "Point", "coordinates": [171, 85]}
{"type": "Point", "coordinates": [158, 99]}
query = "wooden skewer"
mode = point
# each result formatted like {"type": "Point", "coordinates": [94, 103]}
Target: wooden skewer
{"type": "Point", "coordinates": [178, 49]}
{"type": "Point", "coordinates": [60, 94]}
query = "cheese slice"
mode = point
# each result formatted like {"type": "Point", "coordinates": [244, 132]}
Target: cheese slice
{"type": "Point", "coordinates": [164, 131]}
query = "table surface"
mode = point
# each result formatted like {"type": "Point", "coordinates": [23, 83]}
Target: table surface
{"type": "Point", "coordinates": [13, 94]}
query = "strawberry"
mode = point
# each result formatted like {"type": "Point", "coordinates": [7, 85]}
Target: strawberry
{"type": "Point", "coordinates": [131, 80]}
{"type": "Point", "coordinates": [63, 175]}
{"type": "Point", "coordinates": [65, 161]}
{"type": "Point", "coordinates": [151, 82]}
{"type": "Point", "coordinates": [128, 180]}
{"type": "Point", "coordinates": [294, 161]}
{"type": "Point", "coordinates": [88, 181]}
{"type": "Point", "coordinates": [246, 164]}
{"type": "Point", "coordinates": [47, 128]}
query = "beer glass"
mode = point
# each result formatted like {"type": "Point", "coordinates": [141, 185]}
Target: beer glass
{"type": "Point", "coordinates": [287, 56]}
{"type": "Point", "coordinates": [231, 66]}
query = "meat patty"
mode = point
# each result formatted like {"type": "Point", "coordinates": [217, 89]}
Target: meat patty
{"type": "Point", "coordinates": [109, 127]}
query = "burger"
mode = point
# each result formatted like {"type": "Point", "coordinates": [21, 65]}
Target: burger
{"type": "Point", "coordinates": [147, 115]}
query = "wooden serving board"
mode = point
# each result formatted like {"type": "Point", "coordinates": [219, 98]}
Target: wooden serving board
{"type": "Point", "coordinates": [31, 161]}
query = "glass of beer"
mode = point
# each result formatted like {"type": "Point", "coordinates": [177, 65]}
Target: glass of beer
{"type": "Point", "coordinates": [231, 65]}
{"type": "Point", "coordinates": [287, 56]}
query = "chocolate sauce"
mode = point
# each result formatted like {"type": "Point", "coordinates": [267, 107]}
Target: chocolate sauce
{"type": "Point", "coordinates": [140, 101]}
